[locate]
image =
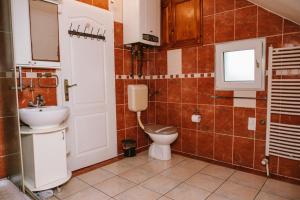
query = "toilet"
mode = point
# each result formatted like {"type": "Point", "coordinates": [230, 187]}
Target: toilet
{"type": "Point", "coordinates": [162, 135]}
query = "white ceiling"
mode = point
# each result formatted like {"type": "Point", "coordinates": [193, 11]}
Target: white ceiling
{"type": "Point", "coordinates": [289, 9]}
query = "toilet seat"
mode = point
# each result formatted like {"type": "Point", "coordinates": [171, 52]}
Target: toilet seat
{"type": "Point", "coordinates": [160, 129]}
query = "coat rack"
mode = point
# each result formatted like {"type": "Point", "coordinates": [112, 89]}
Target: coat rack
{"type": "Point", "coordinates": [85, 35]}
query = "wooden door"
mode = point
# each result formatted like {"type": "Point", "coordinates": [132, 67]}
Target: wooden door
{"type": "Point", "coordinates": [166, 22]}
{"type": "Point", "coordinates": [187, 22]}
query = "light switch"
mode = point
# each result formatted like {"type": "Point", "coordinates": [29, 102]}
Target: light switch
{"type": "Point", "coordinates": [251, 124]}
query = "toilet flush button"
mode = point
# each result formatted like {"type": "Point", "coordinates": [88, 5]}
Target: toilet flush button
{"type": "Point", "coordinates": [196, 118]}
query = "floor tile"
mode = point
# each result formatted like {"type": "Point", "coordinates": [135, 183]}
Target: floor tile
{"type": "Point", "coordinates": [266, 196]}
{"type": "Point", "coordinates": [193, 164]}
{"type": "Point", "coordinates": [286, 190]}
{"type": "Point", "coordinates": [217, 171]}
{"type": "Point", "coordinates": [114, 186]}
{"type": "Point", "coordinates": [53, 198]}
{"type": "Point", "coordinates": [179, 173]}
{"type": "Point", "coordinates": [205, 182]}
{"type": "Point", "coordinates": [136, 161]}
{"type": "Point", "coordinates": [71, 187]}
{"type": "Point", "coordinates": [164, 198]}
{"type": "Point", "coordinates": [89, 194]}
{"type": "Point", "coordinates": [137, 175]}
{"type": "Point", "coordinates": [247, 179]}
{"type": "Point", "coordinates": [8, 191]}
{"type": "Point", "coordinates": [235, 191]}
{"type": "Point", "coordinates": [217, 197]}
{"type": "Point", "coordinates": [157, 166]}
{"type": "Point", "coordinates": [138, 193]}
{"type": "Point", "coordinates": [95, 176]}
{"type": "Point", "coordinates": [161, 184]}
{"type": "Point", "coordinates": [177, 159]}
{"type": "Point", "coordinates": [185, 191]}
{"type": "Point", "coordinates": [118, 167]}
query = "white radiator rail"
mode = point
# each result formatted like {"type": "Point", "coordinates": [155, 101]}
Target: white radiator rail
{"type": "Point", "coordinates": [283, 139]}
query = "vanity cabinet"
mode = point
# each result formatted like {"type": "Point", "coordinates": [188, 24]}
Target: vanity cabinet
{"type": "Point", "coordinates": [44, 158]}
{"type": "Point", "coordinates": [36, 33]}
{"type": "Point", "coordinates": [181, 22]}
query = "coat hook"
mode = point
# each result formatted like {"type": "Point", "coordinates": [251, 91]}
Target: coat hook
{"type": "Point", "coordinates": [78, 31]}
{"type": "Point", "coordinates": [70, 29]}
{"type": "Point", "coordinates": [84, 32]}
{"type": "Point", "coordinates": [98, 33]}
{"type": "Point", "coordinates": [92, 32]}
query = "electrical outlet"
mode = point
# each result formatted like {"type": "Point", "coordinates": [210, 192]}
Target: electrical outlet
{"type": "Point", "coordinates": [251, 124]}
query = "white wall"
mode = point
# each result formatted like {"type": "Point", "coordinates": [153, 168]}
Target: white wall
{"type": "Point", "coordinates": [116, 7]}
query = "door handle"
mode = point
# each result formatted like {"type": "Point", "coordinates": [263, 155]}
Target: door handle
{"type": "Point", "coordinates": [73, 85]}
{"type": "Point", "coordinates": [66, 89]}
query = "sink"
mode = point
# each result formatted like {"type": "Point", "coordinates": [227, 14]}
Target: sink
{"type": "Point", "coordinates": [45, 117]}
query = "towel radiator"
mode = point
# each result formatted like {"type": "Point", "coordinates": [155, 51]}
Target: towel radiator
{"type": "Point", "coordinates": [283, 139]}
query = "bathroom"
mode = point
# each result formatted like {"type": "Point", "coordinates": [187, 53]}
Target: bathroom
{"type": "Point", "coordinates": [232, 140]}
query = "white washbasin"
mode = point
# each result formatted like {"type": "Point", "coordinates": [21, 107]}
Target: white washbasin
{"type": "Point", "coordinates": [44, 117]}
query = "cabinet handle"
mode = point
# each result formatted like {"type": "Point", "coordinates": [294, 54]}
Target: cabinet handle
{"type": "Point", "coordinates": [63, 135]}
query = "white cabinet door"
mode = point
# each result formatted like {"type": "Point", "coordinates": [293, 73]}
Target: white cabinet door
{"type": "Point", "coordinates": [49, 157]}
{"type": "Point", "coordinates": [21, 32]}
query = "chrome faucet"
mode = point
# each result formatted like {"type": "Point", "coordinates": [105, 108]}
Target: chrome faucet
{"type": "Point", "coordinates": [40, 101]}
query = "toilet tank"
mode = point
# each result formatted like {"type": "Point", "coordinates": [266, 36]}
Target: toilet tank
{"type": "Point", "coordinates": [137, 97]}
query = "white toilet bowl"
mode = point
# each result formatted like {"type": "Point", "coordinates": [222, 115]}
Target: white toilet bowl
{"type": "Point", "coordinates": [162, 137]}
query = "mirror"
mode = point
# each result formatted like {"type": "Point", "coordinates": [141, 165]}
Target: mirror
{"type": "Point", "coordinates": [44, 30]}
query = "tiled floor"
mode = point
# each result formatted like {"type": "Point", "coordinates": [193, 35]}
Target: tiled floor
{"type": "Point", "coordinates": [140, 178]}
{"type": "Point", "coordinates": [9, 191]}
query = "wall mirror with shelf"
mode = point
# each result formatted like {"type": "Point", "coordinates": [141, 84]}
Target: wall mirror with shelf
{"type": "Point", "coordinates": [44, 31]}
{"type": "Point", "coordinates": [36, 33]}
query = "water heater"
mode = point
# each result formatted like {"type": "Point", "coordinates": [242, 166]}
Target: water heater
{"type": "Point", "coordinates": [141, 22]}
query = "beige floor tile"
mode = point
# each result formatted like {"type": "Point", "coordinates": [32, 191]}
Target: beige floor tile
{"type": "Point", "coordinates": [217, 197]}
{"type": "Point", "coordinates": [89, 194]}
{"type": "Point", "coordinates": [266, 196]}
{"type": "Point", "coordinates": [177, 159]}
{"type": "Point", "coordinates": [247, 179]}
{"type": "Point", "coordinates": [286, 190]}
{"type": "Point", "coordinates": [118, 167]}
{"type": "Point", "coordinates": [114, 186]}
{"type": "Point", "coordinates": [236, 191]}
{"type": "Point", "coordinates": [136, 161]}
{"type": "Point", "coordinates": [161, 184]}
{"type": "Point", "coordinates": [217, 171]}
{"type": "Point", "coordinates": [71, 187]}
{"type": "Point", "coordinates": [205, 182]}
{"type": "Point", "coordinates": [164, 198]}
{"type": "Point", "coordinates": [53, 198]}
{"type": "Point", "coordinates": [197, 165]}
{"type": "Point", "coordinates": [157, 166]}
{"type": "Point", "coordinates": [137, 175]}
{"type": "Point", "coordinates": [138, 193]}
{"type": "Point", "coordinates": [187, 192]}
{"type": "Point", "coordinates": [96, 176]}
{"type": "Point", "coordinates": [179, 173]}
